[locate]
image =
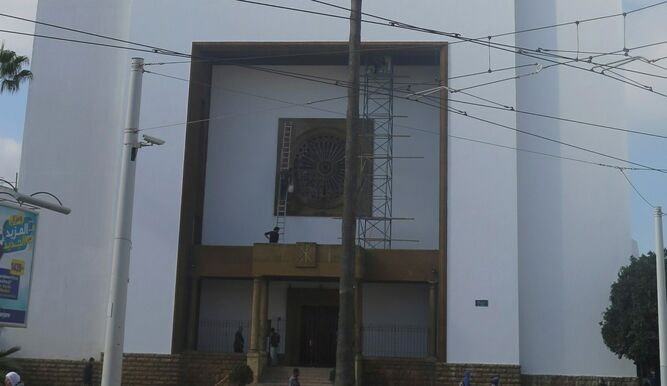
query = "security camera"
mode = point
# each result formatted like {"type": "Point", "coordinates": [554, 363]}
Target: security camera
{"type": "Point", "coordinates": [153, 140]}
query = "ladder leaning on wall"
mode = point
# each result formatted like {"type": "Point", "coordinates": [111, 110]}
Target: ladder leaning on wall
{"type": "Point", "coordinates": [284, 177]}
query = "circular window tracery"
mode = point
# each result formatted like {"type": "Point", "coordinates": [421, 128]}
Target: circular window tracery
{"type": "Point", "coordinates": [319, 170]}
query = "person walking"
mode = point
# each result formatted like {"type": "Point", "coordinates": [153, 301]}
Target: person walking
{"type": "Point", "coordinates": [294, 379]}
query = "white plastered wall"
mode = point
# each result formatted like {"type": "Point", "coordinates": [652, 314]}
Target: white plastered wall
{"type": "Point", "coordinates": [573, 218]}
{"type": "Point", "coordinates": [481, 178]}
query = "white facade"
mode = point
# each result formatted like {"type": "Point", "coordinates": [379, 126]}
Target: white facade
{"type": "Point", "coordinates": [573, 218]}
{"type": "Point", "coordinates": [522, 229]}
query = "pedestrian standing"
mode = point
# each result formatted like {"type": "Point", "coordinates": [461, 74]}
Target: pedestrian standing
{"type": "Point", "coordinates": [274, 343]}
{"type": "Point", "coordinates": [238, 340]}
{"type": "Point", "coordinates": [88, 372]}
{"type": "Point", "coordinates": [273, 235]}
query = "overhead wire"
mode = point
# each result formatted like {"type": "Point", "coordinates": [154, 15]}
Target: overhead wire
{"type": "Point", "coordinates": [636, 190]}
{"type": "Point", "coordinates": [563, 119]}
{"type": "Point", "coordinates": [498, 105]}
{"type": "Point", "coordinates": [525, 132]}
{"type": "Point", "coordinates": [621, 169]}
{"type": "Point", "coordinates": [305, 104]}
{"type": "Point", "coordinates": [501, 106]}
{"type": "Point", "coordinates": [520, 51]}
{"type": "Point", "coordinates": [392, 23]}
{"type": "Point", "coordinates": [464, 113]}
{"type": "Point", "coordinates": [504, 47]}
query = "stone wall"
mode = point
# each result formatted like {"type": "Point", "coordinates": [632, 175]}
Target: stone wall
{"type": "Point", "coordinates": [427, 372]}
{"type": "Point", "coordinates": [192, 369]}
{"type": "Point", "coordinates": [398, 372]}
{"type": "Point", "coordinates": [561, 380]}
{"type": "Point", "coordinates": [206, 369]}
{"type": "Point", "coordinates": [52, 372]}
{"type": "Point", "coordinates": [451, 374]}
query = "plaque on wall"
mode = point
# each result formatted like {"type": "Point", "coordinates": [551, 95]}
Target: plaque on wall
{"type": "Point", "coordinates": [313, 150]}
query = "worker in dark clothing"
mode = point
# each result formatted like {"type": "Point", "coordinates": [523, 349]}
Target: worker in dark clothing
{"type": "Point", "coordinates": [88, 372]}
{"type": "Point", "coordinates": [273, 235]}
{"type": "Point", "coordinates": [238, 340]}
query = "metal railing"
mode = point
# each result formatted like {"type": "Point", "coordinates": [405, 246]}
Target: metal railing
{"type": "Point", "coordinates": [218, 335]}
{"type": "Point", "coordinates": [380, 340]}
{"type": "Point", "coordinates": [385, 340]}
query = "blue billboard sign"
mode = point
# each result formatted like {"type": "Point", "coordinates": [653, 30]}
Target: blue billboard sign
{"type": "Point", "coordinates": [17, 250]}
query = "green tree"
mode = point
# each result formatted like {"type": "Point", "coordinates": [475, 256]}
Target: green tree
{"type": "Point", "coordinates": [630, 323]}
{"type": "Point", "coordinates": [7, 363]}
{"type": "Point", "coordinates": [12, 70]}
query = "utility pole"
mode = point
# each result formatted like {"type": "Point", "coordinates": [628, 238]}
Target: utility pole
{"type": "Point", "coordinates": [346, 311]}
{"type": "Point", "coordinates": [112, 369]}
{"type": "Point", "coordinates": [662, 296]}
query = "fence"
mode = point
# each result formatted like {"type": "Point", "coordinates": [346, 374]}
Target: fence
{"type": "Point", "coordinates": [380, 340]}
{"type": "Point", "coordinates": [218, 335]}
{"type": "Point", "coordinates": [406, 341]}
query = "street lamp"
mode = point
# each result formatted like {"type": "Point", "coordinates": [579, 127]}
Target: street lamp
{"type": "Point", "coordinates": [112, 367]}
{"type": "Point", "coordinates": [31, 200]}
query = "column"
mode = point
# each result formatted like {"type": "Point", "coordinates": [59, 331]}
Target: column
{"type": "Point", "coordinates": [432, 294]}
{"type": "Point", "coordinates": [263, 315]}
{"type": "Point", "coordinates": [441, 326]}
{"type": "Point", "coordinates": [193, 313]}
{"type": "Point", "coordinates": [254, 326]}
{"type": "Point", "coordinates": [253, 358]}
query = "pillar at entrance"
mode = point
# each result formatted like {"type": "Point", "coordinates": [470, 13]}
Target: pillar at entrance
{"type": "Point", "coordinates": [263, 315]}
{"type": "Point", "coordinates": [256, 359]}
{"type": "Point", "coordinates": [193, 313]}
{"type": "Point", "coordinates": [432, 309]}
{"type": "Point", "coordinates": [254, 325]}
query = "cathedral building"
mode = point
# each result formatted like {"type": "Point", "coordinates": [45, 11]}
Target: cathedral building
{"type": "Point", "coordinates": [471, 255]}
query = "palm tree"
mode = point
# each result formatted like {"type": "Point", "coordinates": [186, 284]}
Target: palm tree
{"type": "Point", "coordinates": [12, 72]}
{"type": "Point", "coordinates": [8, 363]}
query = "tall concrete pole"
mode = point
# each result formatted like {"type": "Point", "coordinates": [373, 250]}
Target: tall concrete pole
{"type": "Point", "coordinates": [120, 270]}
{"type": "Point", "coordinates": [662, 295]}
{"type": "Point", "coordinates": [345, 344]}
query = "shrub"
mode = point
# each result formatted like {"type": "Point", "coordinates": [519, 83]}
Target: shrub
{"type": "Point", "coordinates": [241, 375]}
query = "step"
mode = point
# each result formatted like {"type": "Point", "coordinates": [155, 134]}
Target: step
{"type": "Point", "coordinates": [284, 383]}
{"type": "Point", "coordinates": [309, 376]}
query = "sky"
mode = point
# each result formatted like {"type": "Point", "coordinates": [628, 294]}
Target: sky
{"type": "Point", "coordinates": [646, 111]}
{"type": "Point", "coordinates": [12, 106]}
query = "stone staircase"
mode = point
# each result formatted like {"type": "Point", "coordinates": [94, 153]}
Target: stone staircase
{"type": "Point", "coordinates": [310, 376]}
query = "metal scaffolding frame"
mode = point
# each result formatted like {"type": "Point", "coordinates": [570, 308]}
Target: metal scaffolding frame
{"type": "Point", "coordinates": [374, 229]}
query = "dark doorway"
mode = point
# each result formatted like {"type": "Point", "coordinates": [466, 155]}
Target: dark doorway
{"type": "Point", "coordinates": [311, 323]}
{"type": "Point", "coordinates": [318, 335]}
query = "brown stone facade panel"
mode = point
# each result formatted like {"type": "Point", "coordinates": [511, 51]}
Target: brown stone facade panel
{"type": "Point", "coordinates": [193, 369]}
{"type": "Point", "coordinates": [563, 380]}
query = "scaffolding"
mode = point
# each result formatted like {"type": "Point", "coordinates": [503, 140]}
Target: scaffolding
{"type": "Point", "coordinates": [374, 229]}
